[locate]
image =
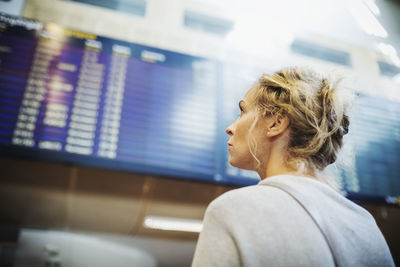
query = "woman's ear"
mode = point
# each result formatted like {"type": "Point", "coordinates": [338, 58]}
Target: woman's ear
{"type": "Point", "coordinates": [277, 125]}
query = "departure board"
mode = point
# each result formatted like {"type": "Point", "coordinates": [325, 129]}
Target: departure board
{"type": "Point", "coordinates": [371, 150]}
{"type": "Point", "coordinates": [75, 93]}
{"type": "Point", "coordinates": [375, 134]}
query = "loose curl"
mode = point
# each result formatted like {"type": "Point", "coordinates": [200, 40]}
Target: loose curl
{"type": "Point", "coordinates": [317, 114]}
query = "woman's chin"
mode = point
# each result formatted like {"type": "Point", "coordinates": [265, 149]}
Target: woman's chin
{"type": "Point", "coordinates": [233, 162]}
{"type": "Point", "coordinates": [239, 164]}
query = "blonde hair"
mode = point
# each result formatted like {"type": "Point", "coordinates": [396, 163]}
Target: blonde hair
{"type": "Point", "coordinates": [317, 113]}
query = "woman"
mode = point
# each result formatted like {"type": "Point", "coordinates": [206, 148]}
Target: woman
{"type": "Point", "coordinates": [290, 128]}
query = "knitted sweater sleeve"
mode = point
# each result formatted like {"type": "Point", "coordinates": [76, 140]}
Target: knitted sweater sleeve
{"type": "Point", "coordinates": [216, 245]}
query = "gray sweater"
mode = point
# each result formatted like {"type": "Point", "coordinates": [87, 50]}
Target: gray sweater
{"type": "Point", "coordinates": [262, 225]}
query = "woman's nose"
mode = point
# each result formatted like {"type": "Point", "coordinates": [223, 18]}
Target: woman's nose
{"type": "Point", "coordinates": [229, 130]}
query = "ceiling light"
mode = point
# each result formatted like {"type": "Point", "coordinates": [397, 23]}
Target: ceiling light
{"type": "Point", "coordinates": [172, 224]}
{"type": "Point", "coordinates": [372, 6]}
{"type": "Point", "coordinates": [391, 52]}
{"type": "Point", "coordinates": [366, 19]}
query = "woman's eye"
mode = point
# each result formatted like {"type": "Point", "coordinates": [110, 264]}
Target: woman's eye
{"type": "Point", "coordinates": [241, 108]}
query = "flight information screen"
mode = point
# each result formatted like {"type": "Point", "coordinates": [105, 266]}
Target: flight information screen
{"type": "Point", "coordinates": [81, 94]}
{"type": "Point", "coordinates": [75, 97]}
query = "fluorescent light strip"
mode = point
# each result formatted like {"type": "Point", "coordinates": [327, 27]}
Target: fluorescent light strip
{"type": "Point", "coordinates": [366, 18]}
{"type": "Point", "coordinates": [172, 224]}
{"type": "Point", "coordinates": [391, 52]}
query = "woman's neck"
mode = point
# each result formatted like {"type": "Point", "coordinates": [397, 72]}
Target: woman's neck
{"type": "Point", "coordinates": [276, 165]}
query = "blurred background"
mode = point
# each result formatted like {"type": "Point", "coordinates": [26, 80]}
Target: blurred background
{"type": "Point", "coordinates": [112, 117]}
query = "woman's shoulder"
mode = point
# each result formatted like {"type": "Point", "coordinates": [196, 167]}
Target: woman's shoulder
{"type": "Point", "coordinates": [249, 199]}
{"type": "Point", "coordinates": [268, 199]}
{"type": "Point", "coordinates": [246, 194]}
{"type": "Point", "coordinates": [319, 194]}
{"type": "Point", "coordinates": [265, 192]}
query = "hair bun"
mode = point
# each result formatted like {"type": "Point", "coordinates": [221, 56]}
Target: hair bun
{"type": "Point", "coordinates": [316, 109]}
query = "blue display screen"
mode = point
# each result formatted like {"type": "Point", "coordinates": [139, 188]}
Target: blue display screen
{"type": "Point", "coordinates": [79, 98]}
{"type": "Point", "coordinates": [82, 98]}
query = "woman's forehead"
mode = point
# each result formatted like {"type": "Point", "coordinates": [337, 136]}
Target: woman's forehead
{"type": "Point", "coordinates": [250, 95]}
